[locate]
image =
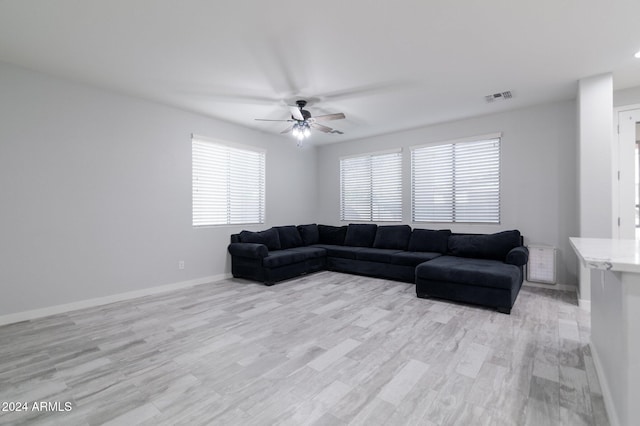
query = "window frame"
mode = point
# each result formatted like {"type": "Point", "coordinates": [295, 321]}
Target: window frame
{"type": "Point", "coordinates": [231, 147]}
{"type": "Point", "coordinates": [467, 140]}
{"type": "Point", "coordinates": [372, 216]}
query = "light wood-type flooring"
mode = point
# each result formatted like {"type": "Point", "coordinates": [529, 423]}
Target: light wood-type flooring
{"type": "Point", "coordinates": [324, 349]}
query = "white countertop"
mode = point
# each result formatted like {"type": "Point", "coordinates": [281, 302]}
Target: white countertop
{"type": "Point", "coordinates": [609, 254]}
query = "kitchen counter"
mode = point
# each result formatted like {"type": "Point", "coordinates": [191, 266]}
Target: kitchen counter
{"type": "Point", "coordinates": [608, 254]}
{"type": "Point", "coordinates": [614, 267]}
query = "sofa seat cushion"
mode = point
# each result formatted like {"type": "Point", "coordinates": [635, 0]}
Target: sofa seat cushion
{"type": "Point", "coordinates": [480, 272]}
{"type": "Point", "coordinates": [344, 252]}
{"type": "Point", "coordinates": [294, 255]}
{"type": "Point", "coordinates": [376, 254]}
{"type": "Point", "coordinates": [411, 258]}
{"type": "Point", "coordinates": [310, 252]}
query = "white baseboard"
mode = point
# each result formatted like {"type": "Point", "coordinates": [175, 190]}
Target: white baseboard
{"type": "Point", "coordinates": [559, 287]}
{"type": "Point", "coordinates": [584, 304]}
{"type": "Point", "coordinates": [604, 386]}
{"type": "Point", "coordinates": [98, 301]}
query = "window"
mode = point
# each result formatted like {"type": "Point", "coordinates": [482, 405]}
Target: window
{"type": "Point", "coordinates": [371, 188]}
{"type": "Point", "coordinates": [457, 182]}
{"type": "Point", "coordinates": [228, 183]}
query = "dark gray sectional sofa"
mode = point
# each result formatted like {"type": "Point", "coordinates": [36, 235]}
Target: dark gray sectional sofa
{"type": "Point", "coordinates": [484, 269]}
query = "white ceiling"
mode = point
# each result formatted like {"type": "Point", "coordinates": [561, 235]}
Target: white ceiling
{"type": "Point", "coordinates": [388, 65]}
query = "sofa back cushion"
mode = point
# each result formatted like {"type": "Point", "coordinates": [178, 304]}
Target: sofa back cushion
{"type": "Point", "coordinates": [309, 234]}
{"type": "Point", "coordinates": [488, 246]}
{"type": "Point", "coordinates": [289, 237]}
{"type": "Point", "coordinates": [428, 240]}
{"type": "Point", "coordinates": [269, 238]}
{"type": "Point", "coordinates": [392, 237]}
{"type": "Point", "coordinates": [360, 234]}
{"type": "Point", "coordinates": [332, 234]}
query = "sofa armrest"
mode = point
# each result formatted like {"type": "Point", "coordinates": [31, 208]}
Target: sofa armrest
{"type": "Point", "coordinates": [250, 250]}
{"type": "Point", "coordinates": [518, 256]}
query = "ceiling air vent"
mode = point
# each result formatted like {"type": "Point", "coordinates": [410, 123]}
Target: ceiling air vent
{"type": "Point", "coordinates": [501, 96]}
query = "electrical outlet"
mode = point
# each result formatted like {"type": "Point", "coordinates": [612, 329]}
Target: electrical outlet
{"type": "Point", "coordinates": [181, 264]}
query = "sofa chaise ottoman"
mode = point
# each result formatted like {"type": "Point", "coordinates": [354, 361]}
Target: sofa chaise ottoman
{"type": "Point", "coordinates": [480, 269]}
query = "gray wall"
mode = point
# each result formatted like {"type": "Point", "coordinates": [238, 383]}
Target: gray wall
{"type": "Point", "coordinates": [629, 96]}
{"type": "Point", "coordinates": [96, 192]}
{"type": "Point", "coordinates": [96, 187]}
{"type": "Point", "coordinates": [538, 174]}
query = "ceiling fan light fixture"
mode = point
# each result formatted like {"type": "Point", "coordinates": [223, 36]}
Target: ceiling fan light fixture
{"type": "Point", "coordinates": [637, 55]}
{"type": "Point", "coordinates": [303, 121]}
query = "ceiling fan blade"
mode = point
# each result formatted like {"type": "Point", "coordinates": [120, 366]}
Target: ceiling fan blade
{"type": "Point", "coordinates": [367, 90]}
{"type": "Point", "coordinates": [322, 128]}
{"type": "Point", "coordinates": [295, 113]}
{"type": "Point", "coordinates": [327, 117]}
{"type": "Point", "coordinates": [266, 119]}
{"type": "Point", "coordinates": [287, 130]}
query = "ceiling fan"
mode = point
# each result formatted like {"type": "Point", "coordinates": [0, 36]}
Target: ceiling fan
{"type": "Point", "coordinates": [303, 121]}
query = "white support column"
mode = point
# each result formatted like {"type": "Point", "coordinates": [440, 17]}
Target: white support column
{"type": "Point", "coordinates": [595, 176]}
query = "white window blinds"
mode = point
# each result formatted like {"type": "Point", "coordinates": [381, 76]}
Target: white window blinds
{"type": "Point", "coordinates": [456, 182]}
{"type": "Point", "coordinates": [228, 184]}
{"type": "Point", "coordinates": [371, 188]}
